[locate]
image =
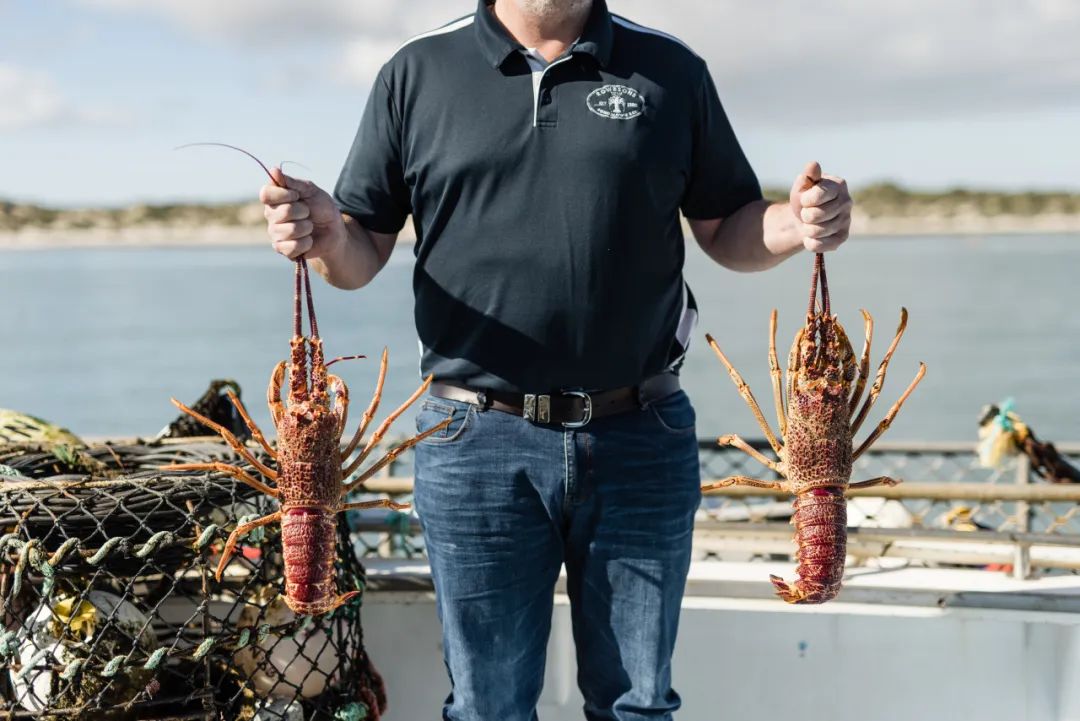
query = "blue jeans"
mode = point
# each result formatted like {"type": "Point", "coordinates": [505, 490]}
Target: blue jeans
{"type": "Point", "coordinates": [505, 503]}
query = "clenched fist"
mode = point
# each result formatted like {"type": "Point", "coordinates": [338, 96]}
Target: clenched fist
{"type": "Point", "coordinates": [822, 205]}
{"type": "Point", "coordinates": [301, 217]}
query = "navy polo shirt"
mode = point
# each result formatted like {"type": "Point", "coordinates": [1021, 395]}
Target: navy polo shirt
{"type": "Point", "coordinates": [546, 203]}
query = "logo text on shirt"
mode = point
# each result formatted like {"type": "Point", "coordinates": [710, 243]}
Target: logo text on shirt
{"type": "Point", "coordinates": [616, 102]}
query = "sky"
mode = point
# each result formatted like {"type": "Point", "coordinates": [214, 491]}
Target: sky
{"type": "Point", "coordinates": [96, 94]}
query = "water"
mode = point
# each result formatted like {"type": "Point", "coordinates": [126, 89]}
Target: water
{"type": "Point", "coordinates": [98, 340]}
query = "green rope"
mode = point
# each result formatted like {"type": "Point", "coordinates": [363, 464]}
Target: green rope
{"type": "Point", "coordinates": [34, 661]}
{"type": "Point", "coordinates": [206, 536]}
{"type": "Point", "coordinates": [204, 648]}
{"type": "Point", "coordinates": [72, 668]}
{"type": "Point", "coordinates": [163, 538]}
{"type": "Point", "coordinates": [62, 552]}
{"type": "Point", "coordinates": [105, 550]}
{"type": "Point", "coordinates": [352, 712]}
{"type": "Point", "coordinates": [155, 659]}
{"type": "Point", "coordinates": [9, 643]}
{"type": "Point", "coordinates": [112, 667]}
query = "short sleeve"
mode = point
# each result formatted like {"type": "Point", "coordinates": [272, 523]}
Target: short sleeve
{"type": "Point", "coordinates": [372, 185]}
{"type": "Point", "coordinates": [721, 179]}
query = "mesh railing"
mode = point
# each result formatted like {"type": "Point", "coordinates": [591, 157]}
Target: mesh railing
{"type": "Point", "coordinates": [944, 491]}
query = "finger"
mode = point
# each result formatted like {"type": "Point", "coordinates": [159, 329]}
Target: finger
{"type": "Point", "coordinates": [818, 231]}
{"type": "Point", "coordinates": [824, 245]}
{"type": "Point", "coordinates": [293, 249]}
{"type": "Point", "coordinates": [291, 231]}
{"type": "Point", "coordinates": [304, 188]}
{"type": "Point", "coordinates": [271, 194]}
{"type": "Point", "coordinates": [824, 213]}
{"type": "Point", "coordinates": [810, 175]}
{"type": "Point", "coordinates": [287, 212]}
{"type": "Point", "coordinates": [820, 194]}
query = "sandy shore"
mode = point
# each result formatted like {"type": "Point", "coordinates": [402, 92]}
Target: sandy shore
{"type": "Point", "coordinates": [150, 236]}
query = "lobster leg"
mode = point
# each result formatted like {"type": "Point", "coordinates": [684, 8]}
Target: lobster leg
{"type": "Point", "coordinates": [340, 391]}
{"type": "Point", "coordinates": [365, 420]}
{"type": "Point", "coordinates": [384, 503]}
{"type": "Point", "coordinates": [744, 391]}
{"type": "Point", "coordinates": [864, 364]}
{"type": "Point", "coordinates": [385, 460]}
{"type": "Point", "coordinates": [793, 363]}
{"type": "Point", "coordinates": [879, 481]}
{"type": "Point", "coordinates": [229, 438]}
{"type": "Point", "coordinates": [273, 393]}
{"type": "Point", "coordinates": [887, 421]}
{"type": "Point", "coordinates": [234, 538]}
{"type": "Point", "coordinates": [256, 433]}
{"type": "Point", "coordinates": [774, 372]}
{"type": "Point", "coordinates": [744, 481]}
{"type": "Point", "coordinates": [879, 381]}
{"type": "Point", "coordinates": [234, 471]}
{"type": "Point", "coordinates": [385, 426]}
{"type": "Point", "coordinates": [737, 442]}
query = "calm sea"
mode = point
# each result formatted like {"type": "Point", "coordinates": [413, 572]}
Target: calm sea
{"type": "Point", "coordinates": [98, 340]}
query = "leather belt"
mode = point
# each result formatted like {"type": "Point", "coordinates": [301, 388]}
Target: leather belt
{"type": "Point", "coordinates": [571, 409]}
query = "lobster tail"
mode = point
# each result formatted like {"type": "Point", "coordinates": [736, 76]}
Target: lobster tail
{"type": "Point", "coordinates": [820, 521]}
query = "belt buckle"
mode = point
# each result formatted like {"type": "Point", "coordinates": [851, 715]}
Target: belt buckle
{"type": "Point", "coordinates": [587, 416]}
{"type": "Point", "coordinates": [537, 408]}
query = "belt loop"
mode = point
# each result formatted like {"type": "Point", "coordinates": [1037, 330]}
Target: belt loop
{"type": "Point", "coordinates": [482, 400]}
{"type": "Point", "coordinates": [639, 393]}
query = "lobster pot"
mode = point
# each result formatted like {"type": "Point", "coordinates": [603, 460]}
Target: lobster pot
{"type": "Point", "coordinates": [110, 608]}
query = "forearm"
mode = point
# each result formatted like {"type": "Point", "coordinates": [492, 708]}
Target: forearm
{"type": "Point", "coordinates": [357, 256]}
{"type": "Point", "coordinates": [756, 237]}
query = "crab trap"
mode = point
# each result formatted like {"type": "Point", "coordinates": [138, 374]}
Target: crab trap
{"type": "Point", "coordinates": [110, 608]}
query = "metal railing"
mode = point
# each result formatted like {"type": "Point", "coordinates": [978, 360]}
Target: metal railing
{"type": "Point", "coordinates": [947, 510]}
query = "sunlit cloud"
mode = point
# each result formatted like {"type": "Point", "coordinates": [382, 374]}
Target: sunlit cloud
{"type": "Point", "coordinates": [32, 100]}
{"type": "Point", "coordinates": [785, 62]}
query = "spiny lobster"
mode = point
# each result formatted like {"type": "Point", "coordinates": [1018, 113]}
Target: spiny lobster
{"type": "Point", "coordinates": [818, 431]}
{"type": "Point", "coordinates": [312, 468]}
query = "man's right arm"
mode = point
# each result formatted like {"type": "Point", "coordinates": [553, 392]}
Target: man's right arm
{"type": "Point", "coordinates": [302, 219]}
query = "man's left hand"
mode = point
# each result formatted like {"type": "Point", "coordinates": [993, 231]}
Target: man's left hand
{"type": "Point", "coordinates": [822, 204]}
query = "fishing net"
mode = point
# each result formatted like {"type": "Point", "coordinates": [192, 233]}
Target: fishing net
{"type": "Point", "coordinates": [110, 608]}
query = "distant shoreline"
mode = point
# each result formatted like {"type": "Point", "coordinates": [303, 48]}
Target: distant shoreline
{"type": "Point", "coordinates": [214, 236]}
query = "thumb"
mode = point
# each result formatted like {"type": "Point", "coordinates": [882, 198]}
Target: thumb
{"type": "Point", "coordinates": [811, 174]}
{"type": "Point", "coordinates": [304, 188]}
{"type": "Point", "coordinates": [278, 177]}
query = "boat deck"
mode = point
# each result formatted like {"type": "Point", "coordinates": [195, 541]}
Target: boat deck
{"type": "Point", "coordinates": [899, 643]}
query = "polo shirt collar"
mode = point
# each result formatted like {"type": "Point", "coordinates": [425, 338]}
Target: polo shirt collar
{"type": "Point", "coordinates": [497, 44]}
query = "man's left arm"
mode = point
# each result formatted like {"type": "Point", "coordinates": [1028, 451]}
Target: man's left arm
{"type": "Point", "coordinates": [760, 234]}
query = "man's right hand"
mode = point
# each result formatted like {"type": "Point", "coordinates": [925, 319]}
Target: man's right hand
{"type": "Point", "coordinates": [301, 218]}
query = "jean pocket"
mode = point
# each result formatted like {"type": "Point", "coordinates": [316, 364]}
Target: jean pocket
{"type": "Point", "coordinates": [434, 412]}
{"type": "Point", "coordinates": [674, 413]}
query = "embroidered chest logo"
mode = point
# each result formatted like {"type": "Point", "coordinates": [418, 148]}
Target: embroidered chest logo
{"type": "Point", "coordinates": [616, 102]}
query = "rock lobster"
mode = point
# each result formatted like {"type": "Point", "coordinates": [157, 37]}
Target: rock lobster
{"type": "Point", "coordinates": [818, 425]}
{"type": "Point", "coordinates": [312, 468]}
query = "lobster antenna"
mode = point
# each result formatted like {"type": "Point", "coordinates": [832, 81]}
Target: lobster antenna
{"type": "Point", "coordinates": [298, 329]}
{"type": "Point", "coordinates": [824, 286]}
{"type": "Point", "coordinates": [310, 302]}
{"type": "Point", "coordinates": [345, 358]}
{"type": "Point", "coordinates": [301, 264]}
{"type": "Point", "coordinates": [239, 150]}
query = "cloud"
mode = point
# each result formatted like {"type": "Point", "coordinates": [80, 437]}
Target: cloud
{"type": "Point", "coordinates": [32, 100]}
{"type": "Point", "coordinates": [783, 63]}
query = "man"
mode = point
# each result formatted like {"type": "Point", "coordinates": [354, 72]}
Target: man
{"type": "Point", "coordinates": [544, 149]}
